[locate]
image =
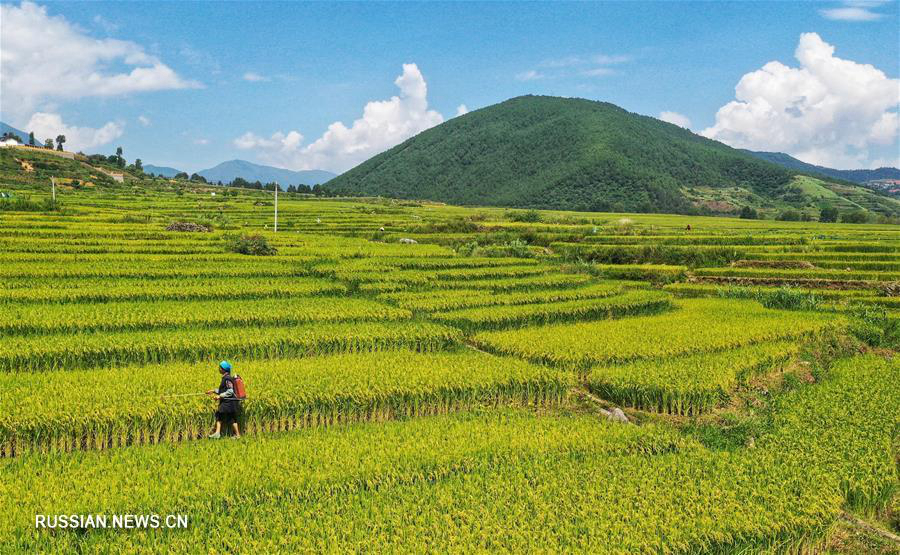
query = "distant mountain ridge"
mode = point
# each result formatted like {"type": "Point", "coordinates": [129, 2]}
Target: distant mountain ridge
{"type": "Point", "coordinates": [164, 171]}
{"type": "Point", "coordinates": [228, 171]}
{"type": "Point", "coordinates": [856, 176]}
{"type": "Point", "coordinates": [6, 128]}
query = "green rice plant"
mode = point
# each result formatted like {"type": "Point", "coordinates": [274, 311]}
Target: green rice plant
{"type": "Point", "coordinates": [505, 316]}
{"type": "Point", "coordinates": [683, 331]}
{"type": "Point", "coordinates": [649, 253]}
{"type": "Point", "coordinates": [94, 409]}
{"type": "Point", "coordinates": [875, 326]}
{"type": "Point", "coordinates": [688, 385]}
{"type": "Point", "coordinates": [691, 289]}
{"type": "Point", "coordinates": [82, 290]}
{"type": "Point", "coordinates": [107, 349]}
{"type": "Point", "coordinates": [450, 299]}
{"type": "Point", "coordinates": [772, 273]}
{"type": "Point", "coordinates": [23, 319]}
{"type": "Point", "coordinates": [544, 281]}
{"type": "Point", "coordinates": [648, 272]}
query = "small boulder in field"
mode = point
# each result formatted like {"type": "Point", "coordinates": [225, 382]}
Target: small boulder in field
{"type": "Point", "coordinates": [408, 241]}
{"type": "Point", "coordinates": [616, 415]}
{"type": "Point", "coordinates": [188, 226]}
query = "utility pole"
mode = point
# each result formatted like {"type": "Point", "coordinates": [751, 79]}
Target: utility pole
{"type": "Point", "coordinates": [53, 188]}
{"type": "Point", "coordinates": [277, 186]}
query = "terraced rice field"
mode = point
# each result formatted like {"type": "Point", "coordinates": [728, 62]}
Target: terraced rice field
{"type": "Point", "coordinates": [450, 392]}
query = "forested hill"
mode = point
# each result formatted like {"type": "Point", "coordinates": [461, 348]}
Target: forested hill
{"type": "Point", "coordinates": [563, 153]}
{"type": "Point", "coordinates": [855, 176]}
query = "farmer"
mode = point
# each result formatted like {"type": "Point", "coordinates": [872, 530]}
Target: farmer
{"type": "Point", "coordinates": [229, 406]}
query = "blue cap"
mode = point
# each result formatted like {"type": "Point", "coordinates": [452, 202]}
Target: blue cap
{"type": "Point", "coordinates": [225, 365]}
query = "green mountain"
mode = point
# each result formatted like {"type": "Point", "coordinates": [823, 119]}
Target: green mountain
{"type": "Point", "coordinates": [572, 154]}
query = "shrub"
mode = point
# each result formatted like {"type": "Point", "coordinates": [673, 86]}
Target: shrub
{"type": "Point", "coordinates": [748, 213]}
{"type": "Point", "coordinates": [255, 245]}
{"type": "Point", "coordinates": [790, 216]}
{"type": "Point", "coordinates": [528, 216]}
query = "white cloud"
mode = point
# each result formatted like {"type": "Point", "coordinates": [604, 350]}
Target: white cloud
{"type": "Point", "coordinates": [49, 125]}
{"type": "Point", "coordinates": [46, 58]}
{"type": "Point", "coordinates": [530, 75]}
{"type": "Point", "coordinates": [384, 123]}
{"type": "Point", "coordinates": [597, 72]}
{"type": "Point", "coordinates": [201, 142]}
{"type": "Point", "coordinates": [575, 66]}
{"type": "Point", "coordinates": [105, 24]}
{"type": "Point", "coordinates": [254, 77]}
{"type": "Point", "coordinates": [144, 120]}
{"type": "Point", "coordinates": [828, 111]}
{"type": "Point", "coordinates": [854, 10]}
{"type": "Point", "coordinates": [462, 110]}
{"type": "Point", "coordinates": [605, 59]}
{"type": "Point", "coordinates": [680, 120]}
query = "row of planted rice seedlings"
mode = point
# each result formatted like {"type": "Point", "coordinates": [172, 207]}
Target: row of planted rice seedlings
{"type": "Point", "coordinates": [688, 385]}
{"type": "Point", "coordinates": [857, 265]}
{"type": "Point", "coordinates": [860, 246]}
{"type": "Point", "coordinates": [776, 273]}
{"type": "Point", "coordinates": [691, 289]}
{"type": "Point", "coordinates": [359, 248]}
{"type": "Point", "coordinates": [886, 302]}
{"type": "Point", "coordinates": [423, 276]}
{"type": "Point", "coordinates": [542, 281]}
{"type": "Point", "coordinates": [815, 257]}
{"type": "Point", "coordinates": [431, 263]}
{"type": "Point", "coordinates": [452, 299]}
{"type": "Point", "coordinates": [156, 269]}
{"type": "Point", "coordinates": [699, 240]}
{"type": "Point", "coordinates": [647, 272]}
{"type": "Point", "coordinates": [35, 318]}
{"type": "Point", "coordinates": [649, 254]}
{"type": "Point", "coordinates": [106, 349]}
{"type": "Point", "coordinates": [95, 409]}
{"type": "Point", "coordinates": [597, 486]}
{"type": "Point", "coordinates": [53, 247]}
{"type": "Point", "coordinates": [82, 290]}
{"type": "Point", "coordinates": [506, 316]}
{"type": "Point", "coordinates": [162, 260]}
{"type": "Point", "coordinates": [683, 331]}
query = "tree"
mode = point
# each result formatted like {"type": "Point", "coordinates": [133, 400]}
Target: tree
{"type": "Point", "coordinates": [48, 144]}
{"type": "Point", "coordinates": [855, 217]}
{"type": "Point", "coordinates": [120, 161]}
{"type": "Point", "coordinates": [181, 175]}
{"type": "Point", "coordinates": [790, 216]}
{"type": "Point", "coordinates": [60, 140]}
{"type": "Point", "coordinates": [138, 165]}
{"type": "Point", "coordinates": [31, 138]}
{"type": "Point", "coordinates": [748, 213]}
{"type": "Point", "coordinates": [828, 214]}
{"type": "Point", "coordinates": [198, 177]}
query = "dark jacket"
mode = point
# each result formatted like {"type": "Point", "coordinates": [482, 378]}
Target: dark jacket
{"type": "Point", "coordinates": [227, 398]}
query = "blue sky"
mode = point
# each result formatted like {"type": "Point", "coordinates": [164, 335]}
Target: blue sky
{"type": "Point", "coordinates": [233, 80]}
